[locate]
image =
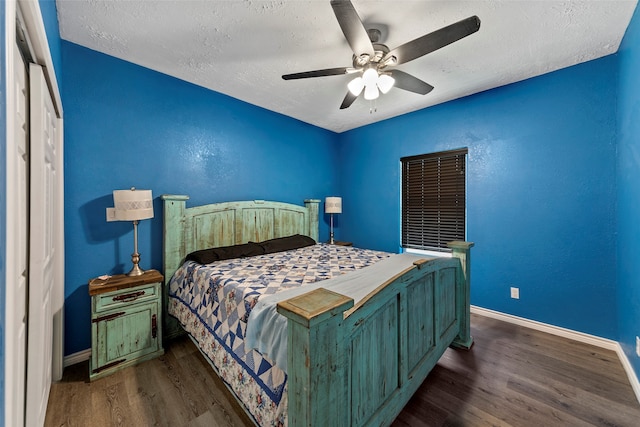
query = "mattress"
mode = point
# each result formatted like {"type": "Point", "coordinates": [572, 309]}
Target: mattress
{"type": "Point", "coordinates": [213, 302]}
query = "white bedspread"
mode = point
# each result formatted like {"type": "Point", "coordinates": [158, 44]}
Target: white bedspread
{"type": "Point", "coordinates": [267, 329]}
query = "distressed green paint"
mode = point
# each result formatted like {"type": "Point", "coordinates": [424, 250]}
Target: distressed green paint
{"type": "Point", "coordinates": [447, 314]}
{"type": "Point", "coordinates": [312, 219]}
{"type": "Point", "coordinates": [421, 330]}
{"type": "Point", "coordinates": [173, 236]}
{"type": "Point", "coordinates": [462, 251]}
{"type": "Point", "coordinates": [224, 224]}
{"type": "Point", "coordinates": [122, 331]}
{"type": "Point", "coordinates": [128, 336]}
{"type": "Point", "coordinates": [375, 344]}
{"type": "Point", "coordinates": [317, 366]}
{"type": "Point", "coordinates": [105, 301]}
{"type": "Point", "coordinates": [347, 366]}
{"type": "Point", "coordinates": [359, 367]}
{"type": "Point", "coordinates": [257, 225]}
{"type": "Point", "coordinates": [216, 229]}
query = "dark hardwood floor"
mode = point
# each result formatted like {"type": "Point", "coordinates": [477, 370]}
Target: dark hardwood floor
{"type": "Point", "coordinates": [512, 376]}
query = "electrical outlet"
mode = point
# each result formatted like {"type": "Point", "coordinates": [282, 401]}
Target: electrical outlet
{"type": "Point", "coordinates": [638, 346]}
{"type": "Point", "coordinates": [515, 293]}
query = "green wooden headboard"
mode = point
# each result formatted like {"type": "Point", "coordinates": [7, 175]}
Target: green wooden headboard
{"type": "Point", "coordinates": [230, 223]}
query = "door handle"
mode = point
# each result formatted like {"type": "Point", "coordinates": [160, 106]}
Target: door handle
{"type": "Point", "coordinates": [154, 326]}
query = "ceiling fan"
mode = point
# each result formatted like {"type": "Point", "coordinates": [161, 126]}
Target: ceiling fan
{"type": "Point", "coordinates": [374, 62]}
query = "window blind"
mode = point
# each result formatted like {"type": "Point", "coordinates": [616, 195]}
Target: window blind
{"type": "Point", "coordinates": [433, 199]}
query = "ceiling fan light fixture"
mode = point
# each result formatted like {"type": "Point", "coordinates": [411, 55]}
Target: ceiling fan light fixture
{"type": "Point", "coordinates": [371, 92]}
{"type": "Point", "coordinates": [355, 86]}
{"type": "Point", "coordinates": [385, 83]}
{"type": "Point", "coordinates": [370, 77]}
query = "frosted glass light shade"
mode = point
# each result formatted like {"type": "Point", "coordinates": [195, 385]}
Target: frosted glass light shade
{"type": "Point", "coordinates": [385, 83]}
{"type": "Point", "coordinates": [131, 205]}
{"type": "Point", "coordinates": [371, 92]}
{"type": "Point", "coordinates": [370, 77]}
{"type": "Point", "coordinates": [333, 205]}
{"type": "Point", "coordinates": [355, 86]}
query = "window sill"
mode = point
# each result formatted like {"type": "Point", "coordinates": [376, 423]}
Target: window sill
{"type": "Point", "coordinates": [428, 253]}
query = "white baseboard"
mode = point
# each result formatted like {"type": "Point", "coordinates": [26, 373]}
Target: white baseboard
{"type": "Point", "coordinates": [550, 329]}
{"type": "Point", "coordinates": [633, 379]}
{"type": "Point", "coordinates": [78, 357]}
{"type": "Point", "coordinates": [570, 334]}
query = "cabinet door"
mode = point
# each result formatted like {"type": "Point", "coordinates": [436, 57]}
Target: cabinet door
{"type": "Point", "coordinates": [122, 335]}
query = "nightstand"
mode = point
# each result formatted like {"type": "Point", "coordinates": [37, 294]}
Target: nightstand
{"type": "Point", "coordinates": [126, 321]}
{"type": "Point", "coordinates": [339, 243]}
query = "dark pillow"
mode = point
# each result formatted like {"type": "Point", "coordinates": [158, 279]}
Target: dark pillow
{"type": "Point", "coordinates": [286, 243]}
{"type": "Point", "coordinates": [206, 256]}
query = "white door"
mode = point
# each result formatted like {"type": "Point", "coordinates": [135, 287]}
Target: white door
{"type": "Point", "coordinates": [42, 253]}
{"type": "Point", "coordinates": [17, 249]}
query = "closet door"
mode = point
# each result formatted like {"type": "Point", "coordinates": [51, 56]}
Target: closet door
{"type": "Point", "coordinates": [17, 243]}
{"type": "Point", "coordinates": [43, 257]}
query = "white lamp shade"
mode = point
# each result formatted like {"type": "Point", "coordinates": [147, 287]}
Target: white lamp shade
{"type": "Point", "coordinates": [333, 205]}
{"type": "Point", "coordinates": [370, 77]}
{"type": "Point", "coordinates": [355, 86]}
{"type": "Point", "coordinates": [385, 83]}
{"type": "Point", "coordinates": [131, 205]}
{"type": "Point", "coordinates": [371, 92]}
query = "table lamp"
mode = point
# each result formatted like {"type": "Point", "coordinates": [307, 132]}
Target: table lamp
{"type": "Point", "coordinates": [332, 205]}
{"type": "Point", "coordinates": [132, 205]}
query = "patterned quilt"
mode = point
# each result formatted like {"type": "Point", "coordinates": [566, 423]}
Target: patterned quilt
{"type": "Point", "coordinates": [213, 302]}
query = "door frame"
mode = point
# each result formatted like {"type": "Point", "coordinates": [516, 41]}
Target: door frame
{"type": "Point", "coordinates": [34, 25]}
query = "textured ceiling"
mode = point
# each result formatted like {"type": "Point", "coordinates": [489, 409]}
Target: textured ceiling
{"type": "Point", "coordinates": [242, 48]}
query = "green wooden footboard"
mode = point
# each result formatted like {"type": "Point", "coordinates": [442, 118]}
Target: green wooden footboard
{"type": "Point", "coordinates": [359, 365]}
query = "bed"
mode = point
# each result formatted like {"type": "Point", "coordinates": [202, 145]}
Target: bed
{"type": "Point", "coordinates": [356, 345]}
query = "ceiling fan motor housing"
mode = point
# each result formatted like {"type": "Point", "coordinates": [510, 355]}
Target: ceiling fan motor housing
{"type": "Point", "coordinates": [380, 50]}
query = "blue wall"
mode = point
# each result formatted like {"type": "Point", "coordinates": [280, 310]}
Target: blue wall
{"type": "Point", "coordinates": [3, 203]}
{"type": "Point", "coordinates": [541, 191]}
{"type": "Point", "coordinates": [629, 192]}
{"type": "Point", "coordinates": [129, 126]}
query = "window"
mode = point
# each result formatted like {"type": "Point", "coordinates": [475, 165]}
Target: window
{"type": "Point", "coordinates": [433, 200]}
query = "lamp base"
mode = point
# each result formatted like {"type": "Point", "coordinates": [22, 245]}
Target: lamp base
{"type": "Point", "coordinates": [331, 241]}
{"type": "Point", "coordinates": [136, 270]}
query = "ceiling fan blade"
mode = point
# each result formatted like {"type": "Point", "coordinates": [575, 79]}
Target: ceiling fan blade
{"type": "Point", "coordinates": [348, 100]}
{"type": "Point", "coordinates": [352, 27]}
{"type": "Point", "coordinates": [318, 73]}
{"type": "Point", "coordinates": [408, 82]}
{"type": "Point", "coordinates": [435, 40]}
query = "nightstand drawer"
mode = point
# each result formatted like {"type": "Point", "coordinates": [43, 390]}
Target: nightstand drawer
{"type": "Point", "coordinates": [123, 297]}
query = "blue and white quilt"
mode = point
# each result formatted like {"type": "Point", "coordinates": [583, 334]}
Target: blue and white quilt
{"type": "Point", "coordinates": [213, 303]}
